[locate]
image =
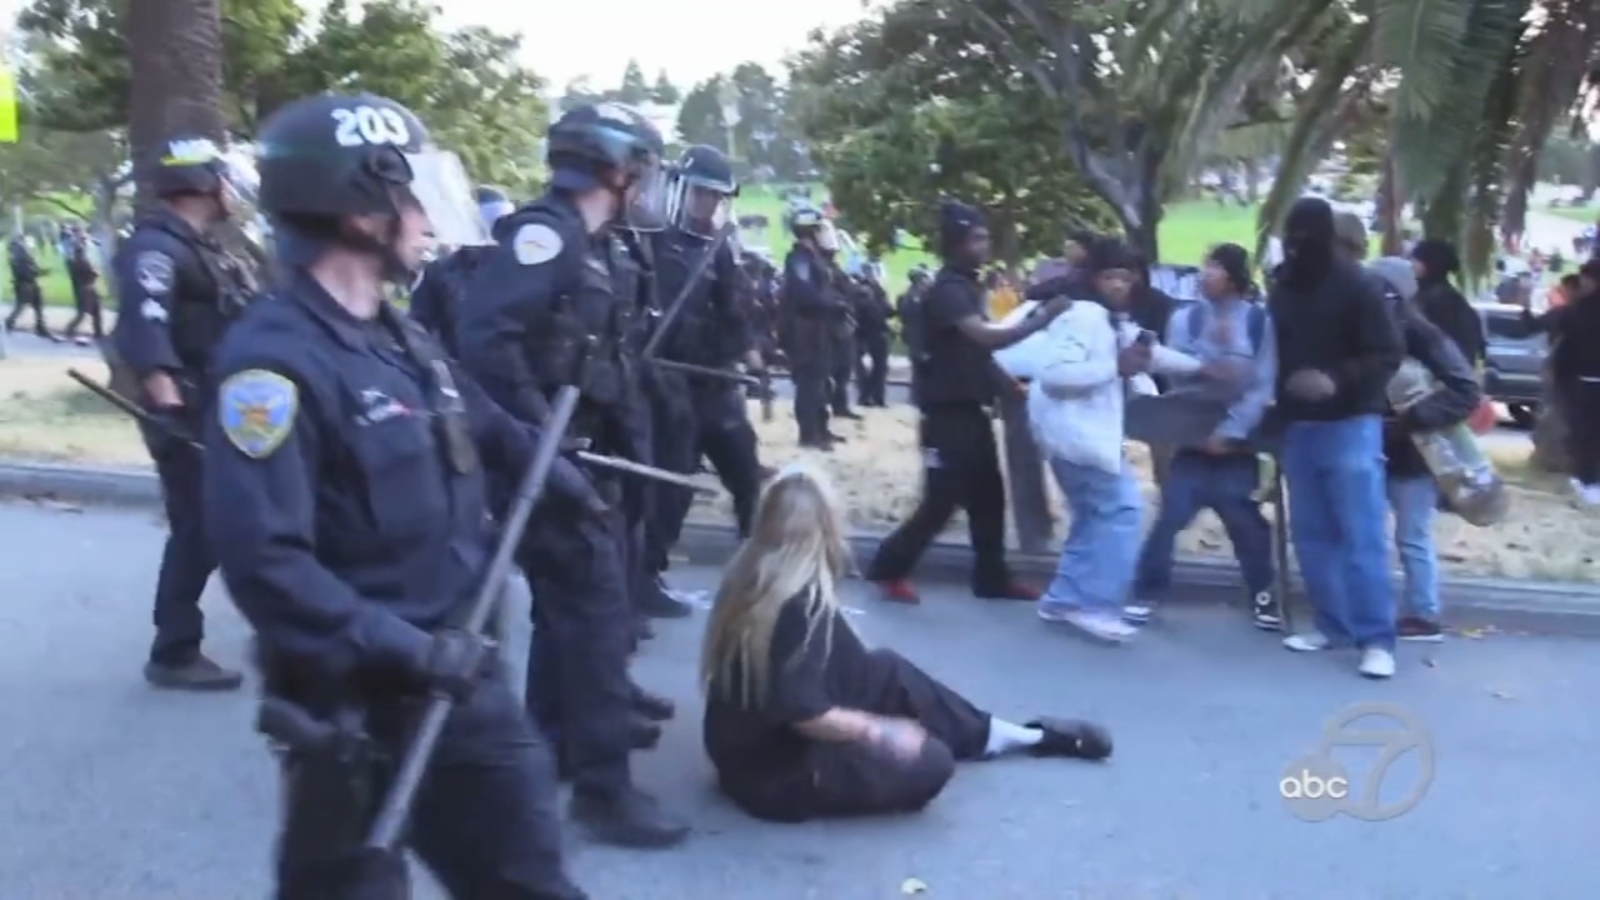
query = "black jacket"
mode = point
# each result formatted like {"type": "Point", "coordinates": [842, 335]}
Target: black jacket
{"type": "Point", "coordinates": [1445, 307]}
{"type": "Point", "coordinates": [1455, 398]}
{"type": "Point", "coordinates": [1341, 325]}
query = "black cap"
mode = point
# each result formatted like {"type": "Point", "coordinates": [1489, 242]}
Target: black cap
{"type": "Point", "coordinates": [1236, 262]}
{"type": "Point", "coordinates": [956, 221]}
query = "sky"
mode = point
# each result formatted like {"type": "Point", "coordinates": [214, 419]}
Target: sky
{"type": "Point", "coordinates": [692, 41]}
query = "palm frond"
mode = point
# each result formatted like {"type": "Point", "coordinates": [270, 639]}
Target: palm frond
{"type": "Point", "coordinates": [1420, 39]}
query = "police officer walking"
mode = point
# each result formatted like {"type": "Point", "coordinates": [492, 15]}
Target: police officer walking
{"type": "Point", "coordinates": [811, 307]}
{"type": "Point", "coordinates": [712, 331]}
{"type": "Point", "coordinates": [873, 313]}
{"type": "Point", "coordinates": [843, 353]}
{"type": "Point", "coordinates": [345, 487]}
{"type": "Point", "coordinates": [955, 386]}
{"type": "Point", "coordinates": [177, 293]}
{"type": "Point", "coordinates": [542, 312]}
{"type": "Point", "coordinates": [437, 294]}
{"type": "Point", "coordinates": [25, 274]}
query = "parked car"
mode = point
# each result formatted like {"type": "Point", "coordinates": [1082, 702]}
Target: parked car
{"type": "Point", "coordinates": [1514, 370]}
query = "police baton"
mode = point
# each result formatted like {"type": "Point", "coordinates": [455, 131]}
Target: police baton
{"type": "Point", "coordinates": [396, 810]}
{"type": "Point", "coordinates": [128, 406]}
{"type": "Point", "coordinates": [672, 365]}
{"type": "Point", "coordinates": [643, 471]}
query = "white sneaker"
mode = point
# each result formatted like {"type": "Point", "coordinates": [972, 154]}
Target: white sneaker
{"type": "Point", "coordinates": [1376, 662]}
{"type": "Point", "coordinates": [1307, 642]}
{"type": "Point", "coordinates": [1137, 613]}
{"type": "Point", "coordinates": [1098, 625]}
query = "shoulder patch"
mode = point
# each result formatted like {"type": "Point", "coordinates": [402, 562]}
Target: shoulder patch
{"type": "Point", "coordinates": [153, 270]}
{"type": "Point", "coordinates": [256, 409]}
{"type": "Point", "coordinates": [536, 244]}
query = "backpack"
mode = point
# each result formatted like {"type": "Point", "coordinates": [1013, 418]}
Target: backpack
{"type": "Point", "coordinates": [1255, 322]}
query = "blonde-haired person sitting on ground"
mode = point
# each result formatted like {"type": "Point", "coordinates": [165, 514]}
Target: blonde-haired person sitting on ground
{"type": "Point", "coordinates": [802, 720]}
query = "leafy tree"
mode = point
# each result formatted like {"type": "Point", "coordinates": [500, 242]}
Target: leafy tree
{"type": "Point", "coordinates": [665, 91]}
{"type": "Point", "coordinates": [1136, 91]}
{"type": "Point", "coordinates": [579, 92]}
{"type": "Point", "coordinates": [700, 119]}
{"type": "Point", "coordinates": [634, 88]}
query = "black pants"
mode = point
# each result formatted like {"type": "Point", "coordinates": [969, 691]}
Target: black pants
{"type": "Point", "coordinates": [485, 822]}
{"type": "Point", "coordinates": [811, 398]}
{"type": "Point", "coordinates": [28, 297]}
{"type": "Point", "coordinates": [961, 468]}
{"type": "Point", "coordinates": [843, 367]}
{"type": "Point", "coordinates": [1583, 430]}
{"type": "Point", "coordinates": [579, 692]}
{"type": "Point", "coordinates": [872, 369]}
{"type": "Point", "coordinates": [834, 780]}
{"type": "Point", "coordinates": [188, 560]}
{"type": "Point", "coordinates": [88, 304]}
{"type": "Point", "coordinates": [720, 432]}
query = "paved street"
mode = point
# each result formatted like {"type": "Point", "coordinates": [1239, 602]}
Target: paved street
{"type": "Point", "coordinates": [110, 791]}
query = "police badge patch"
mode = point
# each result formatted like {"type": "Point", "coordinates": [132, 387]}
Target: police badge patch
{"type": "Point", "coordinates": [536, 244]}
{"type": "Point", "coordinates": [153, 270]}
{"type": "Point", "coordinates": [257, 409]}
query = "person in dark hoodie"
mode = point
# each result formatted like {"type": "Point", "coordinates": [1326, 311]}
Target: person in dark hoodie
{"type": "Point", "coordinates": [1434, 261]}
{"type": "Point", "coordinates": [1413, 493]}
{"type": "Point", "coordinates": [1574, 331]}
{"type": "Point", "coordinates": [955, 382]}
{"type": "Point", "coordinates": [1338, 346]}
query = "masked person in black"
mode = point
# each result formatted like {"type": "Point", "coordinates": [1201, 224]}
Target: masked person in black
{"type": "Point", "coordinates": [177, 293]}
{"type": "Point", "coordinates": [812, 306]}
{"type": "Point", "coordinates": [345, 484]}
{"type": "Point", "coordinates": [873, 313]}
{"type": "Point", "coordinates": [955, 380]}
{"type": "Point", "coordinates": [1434, 261]}
{"type": "Point", "coordinates": [542, 312]}
{"type": "Point", "coordinates": [437, 294]}
{"type": "Point", "coordinates": [25, 274]}
{"type": "Point", "coordinates": [711, 331]}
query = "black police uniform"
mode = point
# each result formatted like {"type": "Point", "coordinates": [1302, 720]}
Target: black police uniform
{"type": "Point", "coordinates": [812, 306]}
{"type": "Point", "coordinates": [954, 386]}
{"type": "Point", "coordinates": [438, 293]}
{"type": "Point", "coordinates": [543, 312]}
{"type": "Point", "coordinates": [712, 331]}
{"type": "Point", "coordinates": [25, 274]}
{"type": "Point", "coordinates": [85, 290]}
{"type": "Point", "coordinates": [347, 496]}
{"type": "Point", "coordinates": [177, 292]}
{"type": "Point", "coordinates": [873, 313]}
{"type": "Point", "coordinates": [842, 353]}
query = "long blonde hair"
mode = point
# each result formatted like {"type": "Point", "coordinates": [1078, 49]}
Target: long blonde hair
{"type": "Point", "coordinates": [796, 548]}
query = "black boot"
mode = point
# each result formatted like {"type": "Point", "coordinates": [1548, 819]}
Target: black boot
{"type": "Point", "coordinates": [643, 734]}
{"type": "Point", "coordinates": [196, 674]}
{"type": "Point", "coordinates": [1072, 738]}
{"type": "Point", "coordinates": [642, 631]}
{"type": "Point", "coordinates": [658, 604]}
{"type": "Point", "coordinates": [626, 817]}
{"type": "Point", "coordinates": [652, 706]}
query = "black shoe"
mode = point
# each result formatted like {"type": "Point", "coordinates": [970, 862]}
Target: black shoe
{"type": "Point", "coordinates": [658, 604]}
{"type": "Point", "coordinates": [642, 630]}
{"type": "Point", "coordinates": [198, 674]}
{"type": "Point", "coordinates": [834, 438]}
{"type": "Point", "coordinates": [652, 706]}
{"type": "Point", "coordinates": [1071, 738]}
{"type": "Point", "coordinates": [643, 734]}
{"type": "Point", "coordinates": [1265, 612]}
{"type": "Point", "coordinates": [626, 818]}
{"type": "Point", "coordinates": [848, 414]}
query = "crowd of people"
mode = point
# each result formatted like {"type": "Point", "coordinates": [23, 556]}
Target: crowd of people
{"type": "Point", "coordinates": [349, 470]}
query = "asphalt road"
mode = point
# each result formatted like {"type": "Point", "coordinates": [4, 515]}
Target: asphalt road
{"type": "Point", "coordinates": [112, 791]}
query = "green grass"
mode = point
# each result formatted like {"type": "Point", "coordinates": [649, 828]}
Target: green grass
{"type": "Point", "coordinates": [53, 284]}
{"type": "Point", "coordinates": [1587, 215]}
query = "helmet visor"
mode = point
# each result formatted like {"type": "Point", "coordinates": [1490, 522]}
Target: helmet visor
{"type": "Point", "coordinates": [698, 206]}
{"type": "Point", "coordinates": [439, 185]}
{"type": "Point", "coordinates": [827, 237]}
{"type": "Point", "coordinates": [648, 196]}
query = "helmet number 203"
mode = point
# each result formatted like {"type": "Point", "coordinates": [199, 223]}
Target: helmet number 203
{"type": "Point", "coordinates": [364, 125]}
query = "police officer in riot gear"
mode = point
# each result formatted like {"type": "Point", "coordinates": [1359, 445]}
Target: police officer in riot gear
{"type": "Point", "coordinates": [811, 307]}
{"type": "Point", "coordinates": [177, 292]}
{"type": "Point", "coordinates": [345, 485]}
{"type": "Point", "coordinates": [842, 351]}
{"type": "Point", "coordinates": [542, 312]}
{"type": "Point", "coordinates": [713, 332]}
{"type": "Point", "coordinates": [437, 294]}
{"type": "Point", "coordinates": [873, 313]}
{"type": "Point", "coordinates": [25, 274]}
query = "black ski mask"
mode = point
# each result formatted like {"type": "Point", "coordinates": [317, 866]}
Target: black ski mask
{"type": "Point", "coordinates": [1308, 240]}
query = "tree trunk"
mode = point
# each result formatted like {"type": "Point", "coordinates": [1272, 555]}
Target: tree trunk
{"type": "Point", "coordinates": [175, 62]}
{"type": "Point", "coordinates": [1390, 203]}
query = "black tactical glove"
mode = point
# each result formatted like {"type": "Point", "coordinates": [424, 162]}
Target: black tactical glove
{"type": "Point", "coordinates": [171, 424]}
{"type": "Point", "coordinates": [455, 661]}
{"type": "Point", "coordinates": [568, 480]}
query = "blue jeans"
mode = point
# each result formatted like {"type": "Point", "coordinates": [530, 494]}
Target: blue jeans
{"type": "Point", "coordinates": [1337, 522]}
{"type": "Point", "coordinates": [1223, 484]}
{"type": "Point", "coordinates": [1415, 502]}
{"type": "Point", "coordinates": [1097, 561]}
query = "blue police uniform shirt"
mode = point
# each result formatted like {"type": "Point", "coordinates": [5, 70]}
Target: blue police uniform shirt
{"type": "Point", "coordinates": [341, 531]}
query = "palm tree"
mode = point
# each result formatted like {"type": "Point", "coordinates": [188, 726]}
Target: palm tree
{"type": "Point", "coordinates": [175, 57]}
{"type": "Point", "coordinates": [1472, 89]}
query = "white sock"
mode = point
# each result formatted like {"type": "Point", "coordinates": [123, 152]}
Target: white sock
{"type": "Point", "coordinates": [1007, 737]}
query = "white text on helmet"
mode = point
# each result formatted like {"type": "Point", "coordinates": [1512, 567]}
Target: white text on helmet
{"type": "Point", "coordinates": [364, 125]}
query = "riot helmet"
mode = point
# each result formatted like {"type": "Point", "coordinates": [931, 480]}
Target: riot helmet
{"type": "Point", "coordinates": [493, 205]}
{"type": "Point", "coordinates": [198, 167]}
{"type": "Point", "coordinates": [804, 220]}
{"type": "Point", "coordinates": [701, 199]}
{"type": "Point", "coordinates": [327, 158]}
{"type": "Point", "coordinates": [591, 145]}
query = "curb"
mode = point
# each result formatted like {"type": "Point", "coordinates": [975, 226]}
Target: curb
{"type": "Point", "coordinates": [1501, 602]}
